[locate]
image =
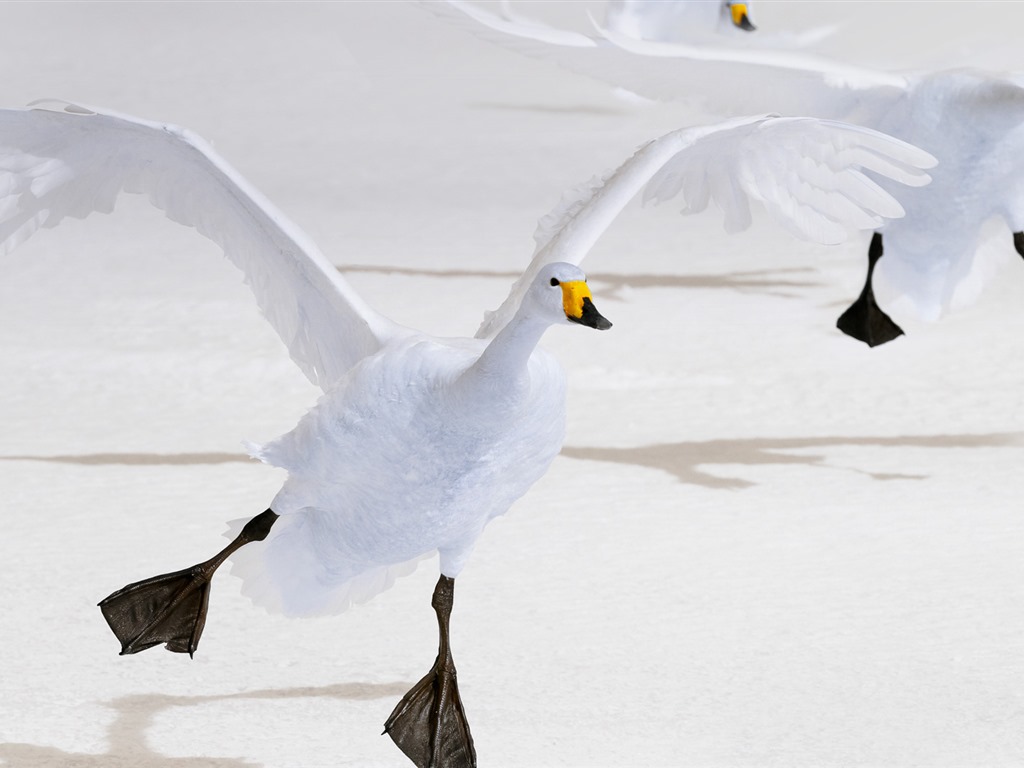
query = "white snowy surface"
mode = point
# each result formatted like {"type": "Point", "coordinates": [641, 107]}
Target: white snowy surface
{"type": "Point", "coordinates": [764, 544]}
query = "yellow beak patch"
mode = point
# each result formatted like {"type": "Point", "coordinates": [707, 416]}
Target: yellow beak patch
{"type": "Point", "coordinates": [573, 294]}
{"type": "Point", "coordinates": [739, 10]}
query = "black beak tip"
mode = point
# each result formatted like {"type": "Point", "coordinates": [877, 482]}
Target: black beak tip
{"type": "Point", "coordinates": [591, 318]}
{"type": "Point", "coordinates": [746, 23]}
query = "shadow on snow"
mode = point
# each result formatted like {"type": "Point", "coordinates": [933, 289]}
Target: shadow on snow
{"type": "Point", "coordinates": [684, 460]}
{"type": "Point", "coordinates": [135, 714]}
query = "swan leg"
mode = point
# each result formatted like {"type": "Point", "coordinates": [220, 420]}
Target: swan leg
{"type": "Point", "coordinates": [429, 724]}
{"type": "Point", "coordinates": [1018, 242]}
{"type": "Point", "coordinates": [864, 320]}
{"type": "Point", "coordinates": [171, 608]}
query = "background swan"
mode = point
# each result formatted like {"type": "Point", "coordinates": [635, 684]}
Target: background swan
{"type": "Point", "coordinates": [674, 22]}
{"type": "Point", "coordinates": [970, 120]}
{"type": "Point", "coordinates": [417, 442]}
{"type": "Point", "coordinates": [703, 21]}
{"type": "Point", "coordinates": [682, 21]}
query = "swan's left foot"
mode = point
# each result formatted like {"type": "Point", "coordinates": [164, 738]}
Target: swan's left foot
{"type": "Point", "coordinates": [429, 724]}
{"type": "Point", "coordinates": [171, 608]}
{"type": "Point", "coordinates": [864, 320]}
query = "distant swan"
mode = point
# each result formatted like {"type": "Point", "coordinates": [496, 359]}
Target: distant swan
{"type": "Point", "coordinates": [677, 21]}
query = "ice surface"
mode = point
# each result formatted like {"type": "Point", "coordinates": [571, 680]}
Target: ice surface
{"type": "Point", "coordinates": [764, 544]}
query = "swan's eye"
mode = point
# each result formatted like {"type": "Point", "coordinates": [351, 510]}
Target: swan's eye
{"type": "Point", "coordinates": [554, 281]}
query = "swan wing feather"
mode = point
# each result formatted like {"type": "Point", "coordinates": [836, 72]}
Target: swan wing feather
{"type": "Point", "coordinates": [59, 159]}
{"type": "Point", "coordinates": [811, 175]}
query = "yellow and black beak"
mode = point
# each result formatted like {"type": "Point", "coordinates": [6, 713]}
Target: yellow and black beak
{"type": "Point", "coordinates": [740, 18]}
{"type": "Point", "coordinates": [579, 306]}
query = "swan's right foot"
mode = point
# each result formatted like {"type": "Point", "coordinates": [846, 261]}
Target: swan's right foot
{"type": "Point", "coordinates": [864, 320]}
{"type": "Point", "coordinates": [429, 724]}
{"type": "Point", "coordinates": [171, 608]}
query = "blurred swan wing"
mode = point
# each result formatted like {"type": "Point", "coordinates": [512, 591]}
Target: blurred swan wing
{"type": "Point", "coordinates": [724, 79]}
{"type": "Point", "coordinates": [811, 175]}
{"type": "Point", "coordinates": [67, 160]}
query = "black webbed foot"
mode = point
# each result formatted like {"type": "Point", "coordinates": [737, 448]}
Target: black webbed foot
{"type": "Point", "coordinates": [171, 608]}
{"type": "Point", "coordinates": [864, 320]}
{"type": "Point", "coordinates": [429, 724]}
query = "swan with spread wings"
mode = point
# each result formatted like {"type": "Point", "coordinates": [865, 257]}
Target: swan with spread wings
{"type": "Point", "coordinates": [972, 121]}
{"type": "Point", "coordinates": [417, 442]}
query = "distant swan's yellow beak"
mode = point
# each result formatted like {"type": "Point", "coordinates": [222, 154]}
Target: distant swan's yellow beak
{"type": "Point", "coordinates": [740, 18]}
{"type": "Point", "coordinates": [579, 306]}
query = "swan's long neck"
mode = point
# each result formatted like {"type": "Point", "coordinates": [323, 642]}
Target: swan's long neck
{"type": "Point", "coordinates": [501, 373]}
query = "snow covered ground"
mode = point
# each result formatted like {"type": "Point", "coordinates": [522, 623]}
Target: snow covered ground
{"type": "Point", "coordinates": [763, 545]}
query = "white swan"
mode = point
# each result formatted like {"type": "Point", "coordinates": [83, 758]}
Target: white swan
{"type": "Point", "coordinates": [417, 442]}
{"type": "Point", "coordinates": [677, 21]}
{"type": "Point", "coordinates": [688, 21]}
{"type": "Point", "coordinates": [707, 22]}
{"type": "Point", "coordinates": [973, 122]}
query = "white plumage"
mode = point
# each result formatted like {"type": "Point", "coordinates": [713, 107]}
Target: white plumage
{"type": "Point", "coordinates": [972, 122]}
{"type": "Point", "coordinates": [415, 450]}
{"type": "Point", "coordinates": [417, 442]}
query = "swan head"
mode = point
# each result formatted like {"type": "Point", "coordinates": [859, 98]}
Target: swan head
{"type": "Point", "coordinates": [559, 292]}
{"type": "Point", "coordinates": [738, 15]}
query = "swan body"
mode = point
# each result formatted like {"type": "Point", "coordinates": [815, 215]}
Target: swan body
{"type": "Point", "coordinates": [971, 121]}
{"type": "Point", "coordinates": [464, 439]}
{"type": "Point", "coordinates": [417, 442]}
{"type": "Point", "coordinates": [974, 122]}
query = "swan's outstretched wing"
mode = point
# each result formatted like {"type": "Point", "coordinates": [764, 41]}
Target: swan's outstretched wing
{"type": "Point", "coordinates": [67, 160]}
{"type": "Point", "coordinates": [724, 79]}
{"type": "Point", "coordinates": [808, 173]}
